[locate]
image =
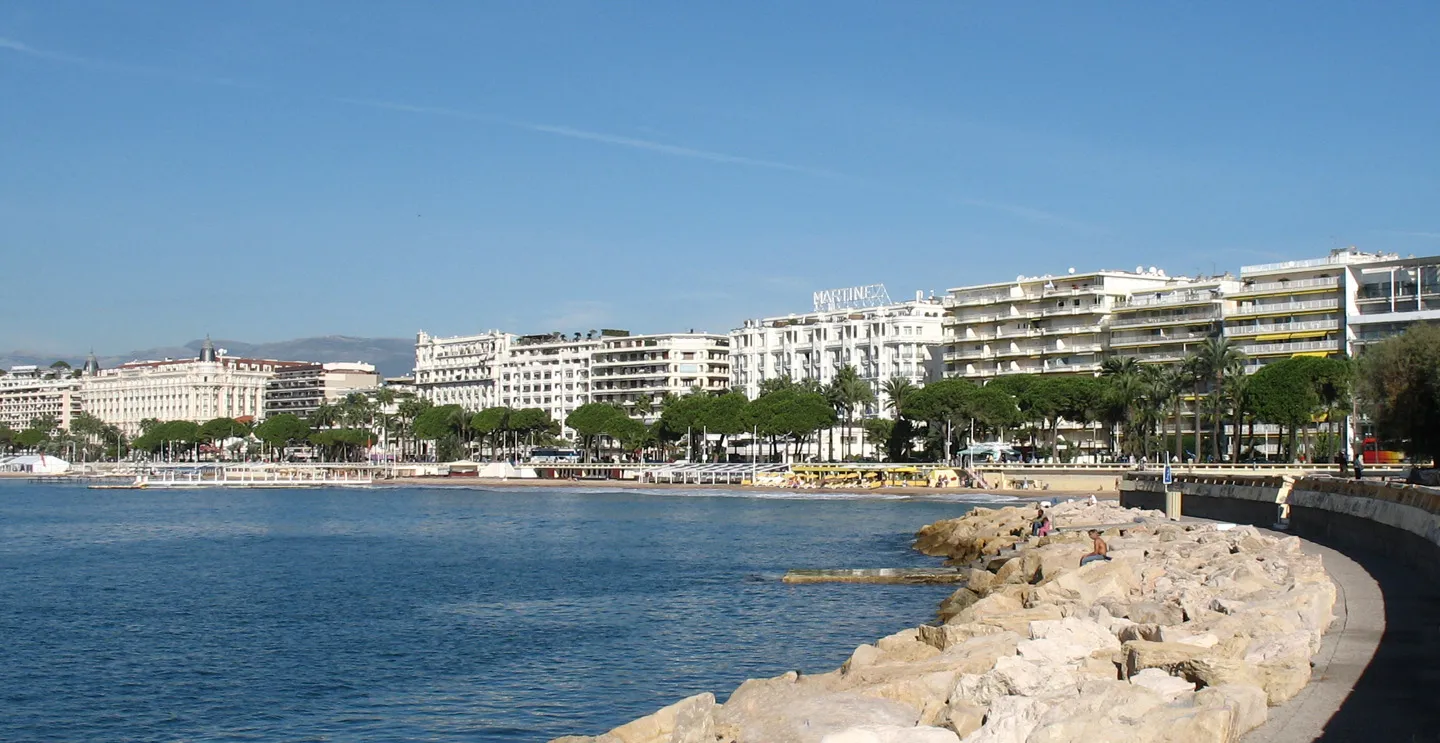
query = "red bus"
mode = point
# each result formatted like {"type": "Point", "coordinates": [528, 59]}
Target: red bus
{"type": "Point", "coordinates": [1375, 455]}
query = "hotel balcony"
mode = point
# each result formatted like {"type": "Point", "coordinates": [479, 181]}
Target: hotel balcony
{"type": "Point", "coordinates": [1129, 320]}
{"type": "Point", "coordinates": [1287, 328]}
{"type": "Point", "coordinates": [972, 300]}
{"type": "Point", "coordinates": [1173, 299]}
{"type": "Point", "coordinates": [1160, 357]}
{"type": "Point", "coordinates": [1309, 348]}
{"type": "Point", "coordinates": [1287, 308]}
{"type": "Point", "coordinates": [1298, 286]}
{"type": "Point", "coordinates": [1156, 340]}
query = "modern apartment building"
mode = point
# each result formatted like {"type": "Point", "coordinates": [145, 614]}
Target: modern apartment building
{"type": "Point", "coordinates": [639, 370]}
{"type": "Point", "coordinates": [1297, 308]}
{"type": "Point", "coordinates": [897, 339]}
{"type": "Point", "coordinates": [30, 392]}
{"type": "Point", "coordinates": [1382, 298]}
{"type": "Point", "coordinates": [301, 389]}
{"type": "Point", "coordinates": [211, 386]}
{"type": "Point", "coordinates": [1166, 324]}
{"type": "Point", "coordinates": [1041, 324]}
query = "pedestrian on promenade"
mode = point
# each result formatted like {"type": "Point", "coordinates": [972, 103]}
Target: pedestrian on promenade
{"type": "Point", "coordinates": [1360, 464]}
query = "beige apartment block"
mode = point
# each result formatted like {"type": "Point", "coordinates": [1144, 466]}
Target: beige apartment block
{"type": "Point", "coordinates": [301, 389]}
{"type": "Point", "coordinates": [1165, 325]}
{"type": "Point", "coordinates": [1295, 308]}
{"type": "Point", "coordinates": [1038, 324]}
{"type": "Point", "coordinates": [28, 393]}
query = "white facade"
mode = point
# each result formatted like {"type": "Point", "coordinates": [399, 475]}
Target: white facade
{"type": "Point", "coordinates": [550, 372]}
{"type": "Point", "coordinates": [1383, 298]}
{"type": "Point", "coordinates": [1038, 324]}
{"type": "Point", "coordinates": [28, 392]}
{"type": "Point", "coordinates": [212, 386]}
{"type": "Point", "coordinates": [628, 370]}
{"type": "Point", "coordinates": [894, 340]}
{"type": "Point", "coordinates": [301, 389]}
{"type": "Point", "coordinates": [496, 369]}
{"type": "Point", "coordinates": [461, 370]}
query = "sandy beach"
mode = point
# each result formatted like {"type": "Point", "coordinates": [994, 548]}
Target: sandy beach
{"type": "Point", "coordinates": [485, 482]}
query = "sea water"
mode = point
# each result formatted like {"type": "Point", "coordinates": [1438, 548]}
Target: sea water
{"type": "Point", "coordinates": [422, 614]}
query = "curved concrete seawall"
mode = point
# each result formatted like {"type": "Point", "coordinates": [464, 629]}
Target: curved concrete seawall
{"type": "Point", "coordinates": [1398, 520]}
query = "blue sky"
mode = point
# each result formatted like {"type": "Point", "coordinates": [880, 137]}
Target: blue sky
{"type": "Point", "coordinates": [271, 169]}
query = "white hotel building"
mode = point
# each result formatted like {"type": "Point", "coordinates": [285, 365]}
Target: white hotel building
{"type": "Point", "coordinates": [497, 369]}
{"type": "Point", "coordinates": [631, 369]}
{"type": "Point", "coordinates": [893, 339]}
{"type": "Point", "coordinates": [199, 389]}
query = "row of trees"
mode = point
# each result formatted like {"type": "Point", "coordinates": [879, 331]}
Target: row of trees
{"type": "Point", "coordinates": [1140, 407]}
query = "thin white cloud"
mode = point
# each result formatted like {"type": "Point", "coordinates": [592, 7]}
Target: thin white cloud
{"type": "Point", "coordinates": [20, 47]}
{"type": "Point", "coordinates": [602, 138]}
{"type": "Point", "coordinates": [23, 48]}
{"type": "Point", "coordinates": [1030, 214]}
{"type": "Point", "coordinates": [556, 130]}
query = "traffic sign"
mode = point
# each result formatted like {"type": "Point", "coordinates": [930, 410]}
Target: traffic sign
{"type": "Point", "coordinates": [1169, 477]}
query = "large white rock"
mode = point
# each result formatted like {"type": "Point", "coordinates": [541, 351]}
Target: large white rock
{"type": "Point", "coordinates": [892, 734]}
{"type": "Point", "coordinates": [1088, 634]}
{"type": "Point", "coordinates": [1010, 720]}
{"type": "Point", "coordinates": [1167, 686]}
{"type": "Point", "coordinates": [1051, 652]}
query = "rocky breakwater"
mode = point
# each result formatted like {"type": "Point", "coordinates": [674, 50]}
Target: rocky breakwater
{"type": "Point", "coordinates": [1188, 633]}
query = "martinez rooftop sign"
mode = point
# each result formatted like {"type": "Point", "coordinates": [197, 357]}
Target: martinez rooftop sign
{"type": "Point", "coordinates": [851, 297]}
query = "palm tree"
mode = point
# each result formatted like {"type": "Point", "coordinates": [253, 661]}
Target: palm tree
{"type": "Point", "coordinates": [1122, 395]}
{"type": "Point", "coordinates": [897, 390]}
{"type": "Point", "coordinates": [1216, 358]}
{"type": "Point", "coordinates": [847, 393]}
{"type": "Point", "coordinates": [324, 416]}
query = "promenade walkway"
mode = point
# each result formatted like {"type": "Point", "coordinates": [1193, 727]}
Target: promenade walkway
{"type": "Point", "coordinates": [1377, 674]}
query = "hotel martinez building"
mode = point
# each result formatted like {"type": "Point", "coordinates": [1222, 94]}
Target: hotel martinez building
{"type": "Point", "coordinates": [882, 341]}
{"type": "Point", "coordinates": [211, 386]}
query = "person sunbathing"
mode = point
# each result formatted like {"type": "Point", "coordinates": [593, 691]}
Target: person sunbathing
{"type": "Point", "coordinates": [1098, 551]}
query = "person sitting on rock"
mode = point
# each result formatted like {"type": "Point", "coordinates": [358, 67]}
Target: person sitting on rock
{"type": "Point", "coordinates": [1039, 522]}
{"type": "Point", "coordinates": [1098, 552]}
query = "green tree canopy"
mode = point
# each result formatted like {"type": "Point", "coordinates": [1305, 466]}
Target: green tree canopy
{"type": "Point", "coordinates": [438, 422]}
{"type": "Point", "coordinates": [1400, 383]}
{"type": "Point", "coordinates": [596, 419]}
{"type": "Point", "coordinates": [219, 429]}
{"type": "Point", "coordinates": [282, 430]}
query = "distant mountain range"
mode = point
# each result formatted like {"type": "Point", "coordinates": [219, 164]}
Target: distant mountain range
{"type": "Point", "coordinates": [392, 357]}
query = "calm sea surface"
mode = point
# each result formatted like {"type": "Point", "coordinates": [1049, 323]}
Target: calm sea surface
{"type": "Point", "coordinates": [420, 614]}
